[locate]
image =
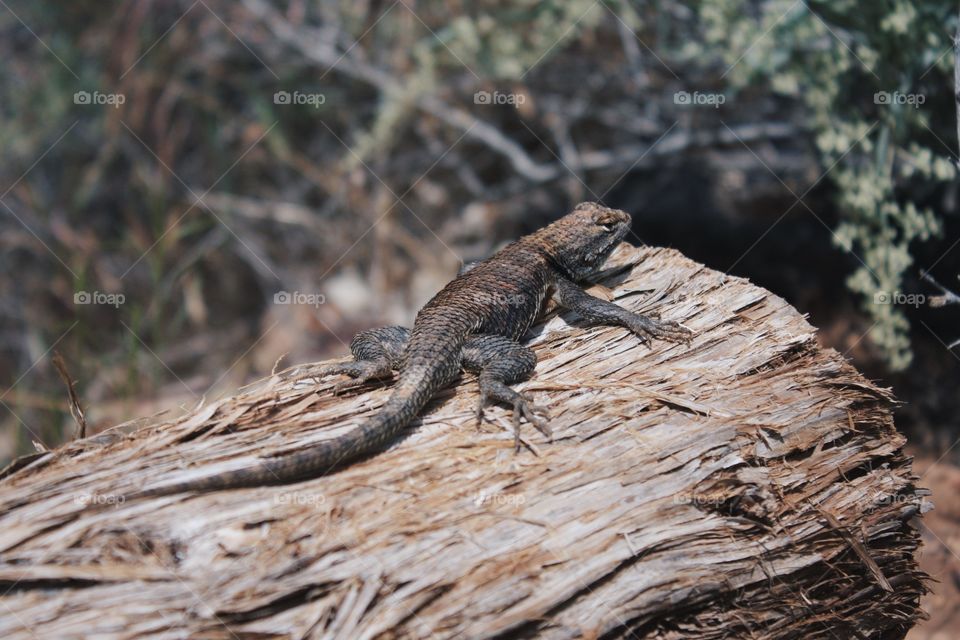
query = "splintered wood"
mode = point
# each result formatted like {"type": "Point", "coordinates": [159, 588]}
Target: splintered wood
{"type": "Point", "coordinates": [749, 484]}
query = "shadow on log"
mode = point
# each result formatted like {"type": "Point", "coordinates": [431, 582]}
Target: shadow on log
{"type": "Point", "coordinates": [750, 484]}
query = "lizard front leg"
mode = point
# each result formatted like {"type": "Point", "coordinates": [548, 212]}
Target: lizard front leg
{"type": "Point", "coordinates": [571, 296]}
{"type": "Point", "coordinates": [501, 361]}
{"type": "Point", "coordinates": [377, 353]}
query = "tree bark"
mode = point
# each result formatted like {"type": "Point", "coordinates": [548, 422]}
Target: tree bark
{"type": "Point", "coordinates": [750, 484]}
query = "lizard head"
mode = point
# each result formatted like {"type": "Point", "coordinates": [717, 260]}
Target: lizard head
{"type": "Point", "coordinates": [580, 242]}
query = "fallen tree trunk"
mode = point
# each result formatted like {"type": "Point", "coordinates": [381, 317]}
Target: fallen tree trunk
{"type": "Point", "coordinates": [750, 484]}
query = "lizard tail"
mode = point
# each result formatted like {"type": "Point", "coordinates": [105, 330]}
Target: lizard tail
{"type": "Point", "coordinates": [412, 392]}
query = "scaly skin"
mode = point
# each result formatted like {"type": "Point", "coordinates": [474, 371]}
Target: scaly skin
{"type": "Point", "coordinates": [473, 323]}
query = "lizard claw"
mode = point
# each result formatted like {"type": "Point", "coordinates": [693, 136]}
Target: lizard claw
{"type": "Point", "coordinates": [522, 407]}
{"type": "Point", "coordinates": [647, 328]}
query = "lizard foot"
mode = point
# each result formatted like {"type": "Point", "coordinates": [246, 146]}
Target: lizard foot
{"type": "Point", "coordinates": [647, 328]}
{"type": "Point", "coordinates": [523, 408]}
{"type": "Point", "coordinates": [362, 371]}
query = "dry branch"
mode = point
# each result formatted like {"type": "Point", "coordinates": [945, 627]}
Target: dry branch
{"type": "Point", "coordinates": [748, 485]}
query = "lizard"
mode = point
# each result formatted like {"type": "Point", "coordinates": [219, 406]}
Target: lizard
{"type": "Point", "coordinates": [475, 324]}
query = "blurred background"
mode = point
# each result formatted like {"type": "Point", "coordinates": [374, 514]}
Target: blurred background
{"type": "Point", "coordinates": [191, 190]}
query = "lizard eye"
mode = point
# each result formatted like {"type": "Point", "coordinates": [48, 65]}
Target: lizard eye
{"type": "Point", "coordinates": [609, 221]}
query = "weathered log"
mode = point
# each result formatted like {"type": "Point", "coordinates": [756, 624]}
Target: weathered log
{"type": "Point", "coordinates": [750, 484]}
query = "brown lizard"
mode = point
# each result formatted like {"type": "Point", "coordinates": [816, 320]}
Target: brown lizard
{"type": "Point", "coordinates": [473, 323]}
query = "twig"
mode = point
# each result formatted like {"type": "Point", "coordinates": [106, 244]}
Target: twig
{"type": "Point", "coordinates": [357, 69]}
{"type": "Point", "coordinates": [323, 52]}
{"type": "Point", "coordinates": [75, 409]}
{"type": "Point", "coordinates": [948, 297]}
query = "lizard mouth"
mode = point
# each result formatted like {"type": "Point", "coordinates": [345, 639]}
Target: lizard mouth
{"type": "Point", "coordinates": [616, 238]}
{"type": "Point", "coordinates": [601, 253]}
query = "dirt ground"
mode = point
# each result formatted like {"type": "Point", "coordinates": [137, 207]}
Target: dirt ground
{"type": "Point", "coordinates": [940, 554]}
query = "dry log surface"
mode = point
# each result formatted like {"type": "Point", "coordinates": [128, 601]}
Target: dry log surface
{"type": "Point", "coordinates": [749, 484]}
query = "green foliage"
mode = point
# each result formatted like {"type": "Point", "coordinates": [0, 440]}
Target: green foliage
{"type": "Point", "coordinates": [496, 42]}
{"type": "Point", "coordinates": [872, 76]}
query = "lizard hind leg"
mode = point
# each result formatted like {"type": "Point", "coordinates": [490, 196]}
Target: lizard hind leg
{"type": "Point", "coordinates": [501, 361]}
{"type": "Point", "coordinates": [377, 353]}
